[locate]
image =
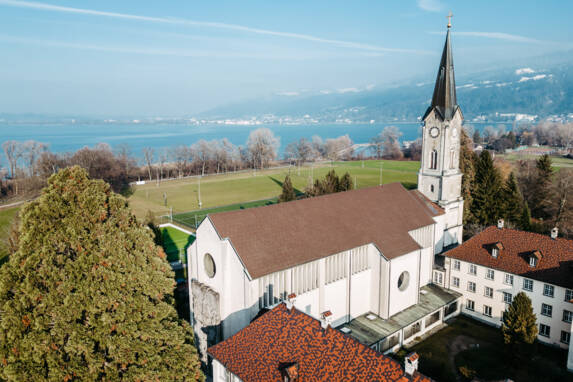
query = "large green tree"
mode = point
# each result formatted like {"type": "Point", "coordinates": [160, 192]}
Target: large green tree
{"type": "Point", "coordinates": [513, 201]}
{"type": "Point", "coordinates": [88, 295]}
{"type": "Point", "coordinates": [519, 327]}
{"type": "Point", "coordinates": [467, 167]}
{"type": "Point", "coordinates": [487, 204]}
{"type": "Point", "coordinates": [541, 187]}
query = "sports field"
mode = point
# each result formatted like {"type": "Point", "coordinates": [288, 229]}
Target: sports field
{"type": "Point", "coordinates": [7, 216]}
{"type": "Point", "coordinates": [175, 242]}
{"type": "Point", "coordinates": [226, 190]}
{"type": "Point", "coordinates": [558, 162]}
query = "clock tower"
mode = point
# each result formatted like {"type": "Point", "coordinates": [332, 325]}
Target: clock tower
{"type": "Point", "coordinates": [440, 178]}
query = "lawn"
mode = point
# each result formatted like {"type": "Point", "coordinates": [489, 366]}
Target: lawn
{"type": "Point", "coordinates": [226, 190]}
{"type": "Point", "coordinates": [558, 162]}
{"type": "Point", "coordinates": [175, 242]}
{"type": "Point", "coordinates": [7, 216]}
{"type": "Point", "coordinates": [479, 347]}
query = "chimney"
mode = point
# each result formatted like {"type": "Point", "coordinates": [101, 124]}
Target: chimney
{"type": "Point", "coordinates": [289, 371]}
{"type": "Point", "coordinates": [411, 363]}
{"type": "Point", "coordinates": [290, 301]}
{"type": "Point", "coordinates": [500, 223]}
{"type": "Point", "coordinates": [325, 318]}
{"type": "Point", "coordinates": [554, 233]}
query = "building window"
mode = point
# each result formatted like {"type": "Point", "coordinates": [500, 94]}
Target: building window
{"type": "Point", "coordinates": [434, 160]}
{"type": "Point", "coordinates": [568, 295]}
{"type": "Point", "coordinates": [546, 310]}
{"type": "Point", "coordinates": [494, 252]}
{"type": "Point", "coordinates": [470, 305]}
{"type": "Point", "coordinates": [438, 278]}
{"type": "Point", "coordinates": [544, 330]}
{"type": "Point", "coordinates": [528, 285]}
{"type": "Point", "coordinates": [359, 259]}
{"type": "Point", "coordinates": [548, 290]}
{"type": "Point", "coordinates": [472, 269]}
{"type": "Point", "coordinates": [403, 280]}
{"type": "Point", "coordinates": [487, 310]}
{"type": "Point", "coordinates": [489, 274]}
{"type": "Point", "coordinates": [532, 261]}
{"type": "Point", "coordinates": [567, 316]}
{"type": "Point", "coordinates": [457, 265]}
{"type": "Point", "coordinates": [456, 282]}
{"type": "Point", "coordinates": [565, 337]}
{"type": "Point", "coordinates": [488, 292]}
{"type": "Point", "coordinates": [507, 298]}
{"type": "Point", "coordinates": [471, 286]}
{"type": "Point", "coordinates": [452, 158]}
{"type": "Point", "coordinates": [228, 376]}
{"type": "Point", "coordinates": [508, 279]}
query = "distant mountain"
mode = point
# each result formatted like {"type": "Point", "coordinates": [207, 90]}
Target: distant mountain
{"type": "Point", "coordinates": [542, 87]}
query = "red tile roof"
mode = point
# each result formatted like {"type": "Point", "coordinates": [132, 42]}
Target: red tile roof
{"type": "Point", "coordinates": [282, 337]}
{"type": "Point", "coordinates": [555, 266]}
{"type": "Point", "coordinates": [272, 238]}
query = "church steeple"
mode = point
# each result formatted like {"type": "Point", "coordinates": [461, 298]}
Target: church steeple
{"type": "Point", "coordinates": [444, 100]}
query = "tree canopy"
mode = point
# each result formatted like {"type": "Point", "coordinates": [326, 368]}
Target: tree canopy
{"type": "Point", "coordinates": [87, 295]}
{"type": "Point", "coordinates": [288, 193]}
{"type": "Point", "coordinates": [519, 322]}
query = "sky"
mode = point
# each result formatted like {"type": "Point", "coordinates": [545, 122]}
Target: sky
{"type": "Point", "coordinates": [182, 57]}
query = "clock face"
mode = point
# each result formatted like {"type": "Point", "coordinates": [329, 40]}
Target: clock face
{"type": "Point", "coordinates": [455, 132]}
{"type": "Point", "coordinates": [434, 132]}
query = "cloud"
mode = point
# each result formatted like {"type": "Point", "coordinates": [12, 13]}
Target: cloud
{"type": "Point", "coordinates": [524, 71]}
{"type": "Point", "coordinates": [145, 51]}
{"type": "Point", "coordinates": [534, 78]}
{"type": "Point", "coordinates": [288, 94]}
{"type": "Point", "coordinates": [506, 37]}
{"type": "Point", "coordinates": [206, 24]}
{"type": "Point", "coordinates": [431, 5]}
{"type": "Point", "coordinates": [347, 90]}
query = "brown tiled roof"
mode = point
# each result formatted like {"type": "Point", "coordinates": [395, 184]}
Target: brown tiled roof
{"type": "Point", "coordinates": [282, 337]}
{"type": "Point", "coordinates": [555, 265]}
{"type": "Point", "coordinates": [280, 236]}
{"type": "Point", "coordinates": [432, 208]}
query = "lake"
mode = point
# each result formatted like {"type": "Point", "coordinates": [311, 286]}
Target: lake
{"type": "Point", "coordinates": [71, 137]}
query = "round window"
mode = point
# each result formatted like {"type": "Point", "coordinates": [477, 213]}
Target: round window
{"type": "Point", "coordinates": [403, 280]}
{"type": "Point", "coordinates": [209, 264]}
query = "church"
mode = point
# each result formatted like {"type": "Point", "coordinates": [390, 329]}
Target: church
{"type": "Point", "coordinates": [363, 258]}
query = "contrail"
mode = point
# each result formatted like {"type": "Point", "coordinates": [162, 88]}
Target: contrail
{"type": "Point", "coordinates": [206, 24]}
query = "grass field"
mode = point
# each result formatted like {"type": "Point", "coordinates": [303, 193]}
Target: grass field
{"type": "Point", "coordinates": [232, 189]}
{"type": "Point", "coordinates": [558, 162]}
{"type": "Point", "coordinates": [175, 242]}
{"type": "Point", "coordinates": [6, 218]}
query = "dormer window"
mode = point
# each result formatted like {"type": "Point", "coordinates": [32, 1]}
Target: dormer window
{"type": "Point", "coordinates": [534, 258]}
{"type": "Point", "coordinates": [495, 248]}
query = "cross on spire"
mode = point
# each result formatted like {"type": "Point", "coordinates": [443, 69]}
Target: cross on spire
{"type": "Point", "coordinates": [449, 17]}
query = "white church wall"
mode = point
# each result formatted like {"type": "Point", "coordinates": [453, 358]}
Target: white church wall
{"type": "Point", "coordinates": [425, 238]}
{"type": "Point", "coordinates": [360, 293]}
{"type": "Point", "coordinates": [308, 303]}
{"type": "Point", "coordinates": [335, 301]}
{"type": "Point", "coordinates": [408, 296]}
{"type": "Point", "coordinates": [375, 260]}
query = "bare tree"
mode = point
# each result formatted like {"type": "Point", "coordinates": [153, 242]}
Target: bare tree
{"type": "Point", "coordinates": [203, 152]}
{"type": "Point", "coordinates": [181, 158]}
{"type": "Point", "coordinates": [339, 148]}
{"type": "Point", "coordinates": [263, 146]}
{"type": "Point", "coordinates": [13, 152]}
{"type": "Point", "coordinates": [563, 203]}
{"type": "Point", "coordinates": [148, 155]}
{"type": "Point", "coordinates": [318, 147]}
{"type": "Point", "coordinates": [391, 145]}
{"type": "Point", "coordinates": [32, 151]}
{"type": "Point", "coordinates": [301, 151]}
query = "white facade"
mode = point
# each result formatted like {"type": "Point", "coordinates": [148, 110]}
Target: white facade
{"type": "Point", "coordinates": [552, 308]}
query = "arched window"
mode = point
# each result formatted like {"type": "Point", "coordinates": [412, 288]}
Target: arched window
{"type": "Point", "coordinates": [434, 159]}
{"type": "Point", "coordinates": [452, 158]}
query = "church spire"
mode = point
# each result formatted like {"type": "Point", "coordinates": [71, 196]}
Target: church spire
{"type": "Point", "coordinates": [444, 98]}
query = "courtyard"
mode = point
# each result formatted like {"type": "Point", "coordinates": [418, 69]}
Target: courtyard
{"type": "Point", "coordinates": [466, 346]}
